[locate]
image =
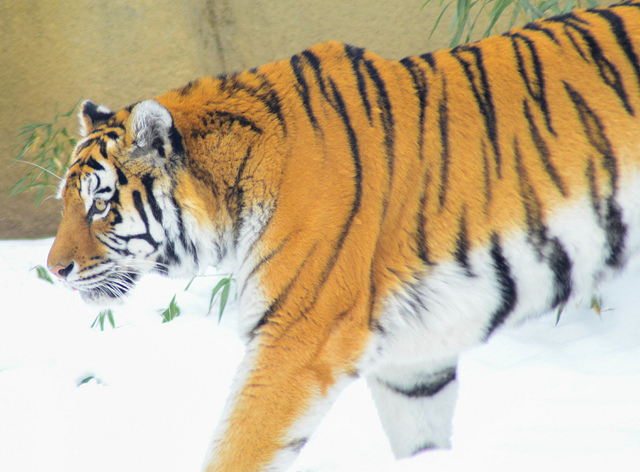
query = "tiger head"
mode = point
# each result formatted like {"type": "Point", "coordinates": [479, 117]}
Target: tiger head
{"type": "Point", "coordinates": [120, 215]}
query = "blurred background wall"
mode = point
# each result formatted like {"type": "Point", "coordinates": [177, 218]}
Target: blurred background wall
{"type": "Point", "coordinates": [53, 53]}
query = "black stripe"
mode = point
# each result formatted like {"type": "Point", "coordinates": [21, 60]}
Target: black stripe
{"type": "Point", "coordinates": [148, 181]}
{"type": "Point", "coordinates": [618, 29]}
{"type": "Point", "coordinates": [91, 162]}
{"type": "Point", "coordinates": [188, 246]}
{"type": "Point", "coordinates": [543, 151]}
{"type": "Point", "coordinates": [386, 117]}
{"type": "Point", "coordinates": [122, 179]}
{"type": "Point", "coordinates": [616, 232]}
{"type": "Point", "coordinates": [235, 200]}
{"type": "Point", "coordinates": [139, 206]}
{"type": "Point", "coordinates": [268, 315]}
{"type": "Point", "coordinates": [314, 62]}
{"type": "Point", "coordinates": [264, 260]}
{"type": "Point", "coordinates": [594, 132]}
{"type": "Point", "coordinates": [508, 290]}
{"type": "Point", "coordinates": [421, 221]}
{"type": "Point", "coordinates": [560, 265]}
{"type": "Point", "coordinates": [420, 86]}
{"type": "Point", "coordinates": [113, 135]}
{"type": "Point", "coordinates": [607, 70]}
{"type": "Point", "coordinates": [428, 58]}
{"type": "Point", "coordinates": [103, 148]}
{"type": "Point", "coordinates": [590, 173]}
{"type": "Point", "coordinates": [434, 385]}
{"type": "Point", "coordinates": [303, 88]}
{"type": "Point", "coordinates": [356, 56]}
{"type": "Point", "coordinates": [443, 124]}
{"type": "Point", "coordinates": [461, 253]}
{"type": "Point", "coordinates": [263, 93]}
{"type": "Point", "coordinates": [175, 139]}
{"type": "Point", "coordinates": [220, 117]}
{"type": "Point", "coordinates": [486, 177]}
{"type": "Point", "coordinates": [530, 202]}
{"type": "Point", "coordinates": [534, 82]}
{"type": "Point", "coordinates": [84, 144]}
{"type": "Point", "coordinates": [538, 27]}
{"type": "Point", "coordinates": [477, 77]}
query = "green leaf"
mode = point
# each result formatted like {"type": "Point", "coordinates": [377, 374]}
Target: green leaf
{"type": "Point", "coordinates": [223, 298]}
{"type": "Point", "coordinates": [99, 320]}
{"type": "Point", "coordinates": [172, 311]}
{"type": "Point", "coordinates": [43, 274]}
{"type": "Point", "coordinates": [224, 281]}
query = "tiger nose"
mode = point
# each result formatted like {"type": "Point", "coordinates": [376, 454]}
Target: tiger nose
{"type": "Point", "coordinates": [61, 271]}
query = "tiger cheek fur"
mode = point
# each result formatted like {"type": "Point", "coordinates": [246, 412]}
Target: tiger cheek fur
{"type": "Point", "coordinates": [383, 215]}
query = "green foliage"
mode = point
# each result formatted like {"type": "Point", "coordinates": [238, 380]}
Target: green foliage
{"type": "Point", "coordinates": [43, 274]}
{"type": "Point", "coordinates": [172, 311]}
{"type": "Point", "coordinates": [46, 147]}
{"type": "Point", "coordinates": [100, 319]}
{"type": "Point", "coordinates": [223, 287]}
{"type": "Point", "coordinates": [85, 380]}
{"type": "Point", "coordinates": [467, 12]}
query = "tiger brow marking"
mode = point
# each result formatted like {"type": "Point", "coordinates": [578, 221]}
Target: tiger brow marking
{"type": "Point", "coordinates": [482, 91]}
{"type": "Point", "coordinates": [91, 162]}
{"type": "Point", "coordinates": [543, 151]}
{"type": "Point", "coordinates": [535, 85]}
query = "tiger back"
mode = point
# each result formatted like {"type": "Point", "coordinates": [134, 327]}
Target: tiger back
{"type": "Point", "coordinates": [382, 216]}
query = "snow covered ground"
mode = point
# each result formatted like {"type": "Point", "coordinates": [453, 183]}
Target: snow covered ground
{"type": "Point", "coordinates": [538, 398]}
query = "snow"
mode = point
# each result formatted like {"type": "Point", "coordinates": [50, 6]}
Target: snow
{"type": "Point", "coordinates": [538, 397]}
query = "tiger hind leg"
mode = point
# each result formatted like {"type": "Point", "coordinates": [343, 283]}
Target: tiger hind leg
{"type": "Point", "coordinates": [415, 406]}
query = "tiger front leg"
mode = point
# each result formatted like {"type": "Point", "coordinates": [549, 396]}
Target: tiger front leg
{"type": "Point", "coordinates": [283, 388]}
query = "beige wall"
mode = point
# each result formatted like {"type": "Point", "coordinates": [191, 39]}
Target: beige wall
{"type": "Point", "coordinates": [53, 52]}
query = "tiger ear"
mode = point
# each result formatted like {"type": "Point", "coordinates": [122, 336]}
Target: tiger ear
{"type": "Point", "coordinates": [151, 125]}
{"type": "Point", "coordinates": [91, 116]}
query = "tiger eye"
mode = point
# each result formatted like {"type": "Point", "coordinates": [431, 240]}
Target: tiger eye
{"type": "Point", "coordinates": [100, 205]}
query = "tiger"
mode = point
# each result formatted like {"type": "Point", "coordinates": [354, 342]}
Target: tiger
{"type": "Point", "coordinates": [381, 216]}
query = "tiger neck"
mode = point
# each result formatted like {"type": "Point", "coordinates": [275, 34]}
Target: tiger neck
{"type": "Point", "coordinates": [231, 167]}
